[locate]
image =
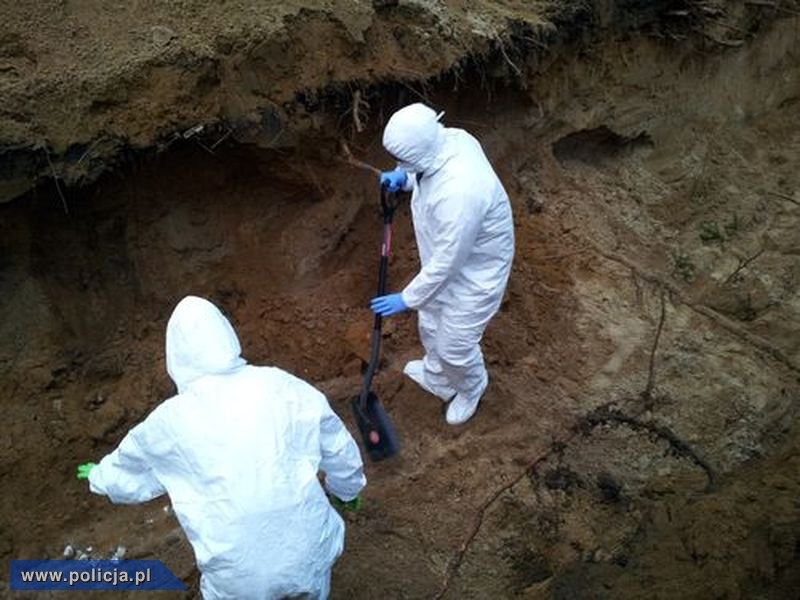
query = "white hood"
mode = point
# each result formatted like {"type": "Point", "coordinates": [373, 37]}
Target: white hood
{"type": "Point", "coordinates": [415, 137]}
{"type": "Point", "coordinates": [200, 341]}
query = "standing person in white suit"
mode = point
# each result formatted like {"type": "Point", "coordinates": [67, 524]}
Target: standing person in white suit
{"type": "Point", "coordinates": [465, 235]}
{"type": "Point", "coordinates": [238, 450]}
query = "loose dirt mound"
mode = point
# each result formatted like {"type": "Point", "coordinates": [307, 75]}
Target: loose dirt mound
{"type": "Point", "coordinates": [639, 431]}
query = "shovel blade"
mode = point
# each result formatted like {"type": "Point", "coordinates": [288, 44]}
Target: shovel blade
{"type": "Point", "coordinates": [378, 435]}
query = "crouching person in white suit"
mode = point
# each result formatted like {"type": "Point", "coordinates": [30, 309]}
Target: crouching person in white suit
{"type": "Point", "coordinates": [238, 450]}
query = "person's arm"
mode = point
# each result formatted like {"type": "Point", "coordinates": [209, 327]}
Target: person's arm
{"type": "Point", "coordinates": [125, 475]}
{"type": "Point", "coordinates": [411, 182]}
{"type": "Point", "coordinates": [456, 222]}
{"type": "Point", "coordinates": [341, 459]}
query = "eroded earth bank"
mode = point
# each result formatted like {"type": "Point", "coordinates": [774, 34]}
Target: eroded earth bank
{"type": "Point", "coordinates": [639, 437]}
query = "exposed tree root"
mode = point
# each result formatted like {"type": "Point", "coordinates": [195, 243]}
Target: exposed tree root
{"type": "Point", "coordinates": [754, 340]}
{"type": "Point", "coordinates": [784, 197]}
{"type": "Point", "coordinates": [679, 446]}
{"type": "Point", "coordinates": [55, 180]}
{"type": "Point", "coordinates": [584, 424]}
{"type": "Point", "coordinates": [647, 394]}
{"type": "Point", "coordinates": [455, 562]}
{"type": "Point", "coordinates": [743, 265]}
{"type": "Point", "coordinates": [353, 161]}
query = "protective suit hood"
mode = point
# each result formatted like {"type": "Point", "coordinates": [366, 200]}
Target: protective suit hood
{"type": "Point", "coordinates": [200, 341]}
{"type": "Point", "coordinates": [415, 138]}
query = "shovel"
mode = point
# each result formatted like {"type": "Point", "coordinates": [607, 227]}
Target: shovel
{"type": "Point", "coordinates": [377, 432]}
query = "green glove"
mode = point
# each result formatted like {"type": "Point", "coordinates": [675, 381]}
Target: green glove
{"type": "Point", "coordinates": [352, 506]}
{"type": "Point", "coordinates": [85, 469]}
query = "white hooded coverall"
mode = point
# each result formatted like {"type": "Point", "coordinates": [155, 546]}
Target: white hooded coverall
{"type": "Point", "coordinates": [465, 236]}
{"type": "Point", "coordinates": [238, 450]}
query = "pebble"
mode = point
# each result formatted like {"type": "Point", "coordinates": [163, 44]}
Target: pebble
{"type": "Point", "coordinates": [69, 551]}
{"type": "Point", "coordinates": [601, 555]}
{"type": "Point", "coordinates": [161, 35]}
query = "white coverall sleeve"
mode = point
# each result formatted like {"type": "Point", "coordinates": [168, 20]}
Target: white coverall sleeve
{"type": "Point", "coordinates": [455, 223]}
{"type": "Point", "coordinates": [124, 475]}
{"type": "Point", "coordinates": [341, 459]}
{"type": "Point", "coordinates": [411, 181]}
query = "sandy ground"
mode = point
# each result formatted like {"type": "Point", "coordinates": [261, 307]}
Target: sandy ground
{"type": "Point", "coordinates": [639, 433]}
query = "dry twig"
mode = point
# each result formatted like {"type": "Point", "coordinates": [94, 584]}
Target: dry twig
{"type": "Point", "coordinates": [353, 161]}
{"type": "Point", "coordinates": [55, 180]}
{"type": "Point", "coordinates": [726, 43]}
{"type": "Point", "coordinates": [359, 104]}
{"type": "Point", "coordinates": [743, 264]}
{"type": "Point", "coordinates": [516, 69]}
{"type": "Point", "coordinates": [647, 395]}
{"type": "Point", "coordinates": [783, 197]}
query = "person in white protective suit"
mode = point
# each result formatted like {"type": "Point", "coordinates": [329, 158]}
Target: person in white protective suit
{"type": "Point", "coordinates": [465, 235]}
{"type": "Point", "coordinates": [238, 451]}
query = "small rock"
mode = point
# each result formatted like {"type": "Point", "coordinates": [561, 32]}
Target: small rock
{"type": "Point", "coordinates": [95, 401]}
{"type": "Point", "coordinates": [173, 537]}
{"type": "Point", "coordinates": [161, 35]}
{"type": "Point", "coordinates": [119, 553]}
{"type": "Point", "coordinates": [534, 203]}
{"type": "Point", "coordinates": [610, 488]}
{"type": "Point", "coordinates": [69, 552]}
{"type": "Point", "coordinates": [601, 555]}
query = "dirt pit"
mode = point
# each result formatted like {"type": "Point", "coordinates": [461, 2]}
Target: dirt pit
{"type": "Point", "coordinates": [639, 435]}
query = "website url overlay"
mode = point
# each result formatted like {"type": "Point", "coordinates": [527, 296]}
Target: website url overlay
{"type": "Point", "coordinates": [113, 576]}
{"type": "Point", "coordinates": [92, 575]}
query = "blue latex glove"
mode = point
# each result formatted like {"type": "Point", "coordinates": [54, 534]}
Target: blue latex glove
{"type": "Point", "coordinates": [389, 305]}
{"type": "Point", "coordinates": [394, 181]}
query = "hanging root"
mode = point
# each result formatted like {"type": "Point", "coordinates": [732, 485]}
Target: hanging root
{"type": "Point", "coordinates": [347, 156]}
{"type": "Point", "coordinates": [359, 105]}
{"type": "Point", "coordinates": [55, 180]}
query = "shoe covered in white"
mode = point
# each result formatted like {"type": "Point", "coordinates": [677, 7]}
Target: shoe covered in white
{"type": "Point", "coordinates": [462, 408]}
{"type": "Point", "coordinates": [415, 369]}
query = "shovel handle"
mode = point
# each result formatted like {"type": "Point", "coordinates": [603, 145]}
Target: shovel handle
{"type": "Point", "coordinates": [389, 203]}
